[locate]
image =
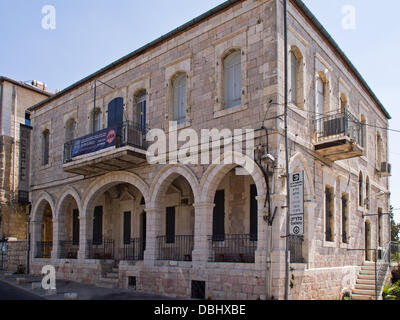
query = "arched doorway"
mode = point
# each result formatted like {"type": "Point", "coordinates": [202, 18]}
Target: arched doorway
{"type": "Point", "coordinates": [368, 253]}
{"type": "Point", "coordinates": [42, 224]}
{"type": "Point", "coordinates": [68, 226]}
{"type": "Point", "coordinates": [235, 219]}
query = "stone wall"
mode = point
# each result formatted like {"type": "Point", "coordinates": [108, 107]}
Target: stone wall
{"type": "Point", "coordinates": [17, 255]}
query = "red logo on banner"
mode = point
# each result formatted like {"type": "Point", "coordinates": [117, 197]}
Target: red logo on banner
{"type": "Point", "coordinates": [111, 136]}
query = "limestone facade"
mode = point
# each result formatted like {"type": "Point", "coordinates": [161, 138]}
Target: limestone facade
{"type": "Point", "coordinates": [15, 98]}
{"type": "Point", "coordinates": [255, 29]}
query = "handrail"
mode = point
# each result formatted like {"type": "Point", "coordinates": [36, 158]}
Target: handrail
{"type": "Point", "coordinates": [383, 268]}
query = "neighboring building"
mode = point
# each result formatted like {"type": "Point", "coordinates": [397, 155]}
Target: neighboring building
{"type": "Point", "coordinates": [15, 98]}
{"type": "Point", "coordinates": [105, 215]}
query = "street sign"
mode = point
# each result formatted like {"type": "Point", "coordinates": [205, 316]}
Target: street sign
{"type": "Point", "coordinates": [297, 225]}
{"type": "Point", "coordinates": [296, 190]}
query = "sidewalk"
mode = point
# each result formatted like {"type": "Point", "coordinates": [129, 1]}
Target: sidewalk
{"type": "Point", "coordinates": [84, 291]}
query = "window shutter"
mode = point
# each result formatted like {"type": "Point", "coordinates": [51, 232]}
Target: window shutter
{"type": "Point", "coordinates": [179, 85]}
{"type": "Point", "coordinates": [127, 227]}
{"type": "Point", "coordinates": [232, 80]}
{"type": "Point", "coordinates": [253, 213]}
{"type": "Point", "coordinates": [98, 225]}
{"type": "Point", "coordinates": [75, 227]}
{"type": "Point", "coordinates": [219, 216]}
{"type": "Point", "coordinates": [321, 96]}
{"type": "Point", "coordinates": [170, 225]}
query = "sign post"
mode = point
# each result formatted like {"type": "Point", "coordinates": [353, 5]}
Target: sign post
{"type": "Point", "coordinates": [296, 190]}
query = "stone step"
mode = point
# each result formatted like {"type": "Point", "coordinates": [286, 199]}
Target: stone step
{"type": "Point", "coordinates": [107, 283]}
{"type": "Point", "coordinates": [371, 272]}
{"type": "Point", "coordinates": [364, 292]}
{"type": "Point", "coordinates": [368, 263]}
{"type": "Point", "coordinates": [366, 276]}
{"type": "Point", "coordinates": [115, 269]}
{"type": "Point", "coordinates": [368, 268]}
{"type": "Point", "coordinates": [365, 281]}
{"type": "Point", "coordinates": [365, 287]}
{"type": "Point", "coordinates": [362, 297]}
{"type": "Point", "coordinates": [112, 275]}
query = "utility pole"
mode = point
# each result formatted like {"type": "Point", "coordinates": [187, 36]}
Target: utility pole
{"type": "Point", "coordinates": [287, 153]}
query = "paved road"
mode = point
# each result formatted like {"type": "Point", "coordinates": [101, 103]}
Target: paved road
{"type": "Point", "coordinates": [8, 292]}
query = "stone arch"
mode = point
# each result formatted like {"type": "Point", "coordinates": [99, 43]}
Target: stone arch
{"type": "Point", "coordinates": [107, 181]}
{"type": "Point", "coordinates": [216, 172]}
{"type": "Point", "coordinates": [167, 175]}
{"type": "Point", "coordinates": [40, 204]}
{"type": "Point", "coordinates": [72, 192]}
{"type": "Point", "coordinates": [299, 161]}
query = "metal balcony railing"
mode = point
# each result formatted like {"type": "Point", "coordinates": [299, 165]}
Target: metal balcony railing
{"type": "Point", "coordinates": [233, 248]}
{"type": "Point", "coordinates": [179, 250]}
{"type": "Point", "coordinates": [101, 250]}
{"type": "Point", "coordinates": [133, 249]}
{"type": "Point", "coordinates": [129, 134]}
{"type": "Point", "coordinates": [337, 125]}
{"type": "Point", "coordinates": [69, 250]}
{"type": "Point", "coordinates": [44, 249]}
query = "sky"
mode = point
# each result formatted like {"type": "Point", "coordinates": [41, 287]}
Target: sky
{"type": "Point", "coordinates": [90, 34]}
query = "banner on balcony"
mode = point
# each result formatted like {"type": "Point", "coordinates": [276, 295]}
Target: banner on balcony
{"type": "Point", "coordinates": [94, 142]}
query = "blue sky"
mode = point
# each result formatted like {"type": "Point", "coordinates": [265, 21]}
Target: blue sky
{"type": "Point", "coordinates": [90, 34]}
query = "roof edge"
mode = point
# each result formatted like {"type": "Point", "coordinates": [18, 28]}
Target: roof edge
{"type": "Point", "coordinates": [26, 86]}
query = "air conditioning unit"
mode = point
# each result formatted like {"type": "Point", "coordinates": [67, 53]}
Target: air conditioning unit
{"type": "Point", "coordinates": [386, 170]}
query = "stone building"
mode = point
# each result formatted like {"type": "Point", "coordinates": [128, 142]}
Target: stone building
{"type": "Point", "coordinates": [15, 98]}
{"type": "Point", "coordinates": [101, 213]}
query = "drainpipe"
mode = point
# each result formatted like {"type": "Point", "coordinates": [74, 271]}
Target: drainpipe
{"type": "Point", "coordinates": [287, 153]}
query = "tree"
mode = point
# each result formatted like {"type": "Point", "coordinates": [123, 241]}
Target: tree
{"type": "Point", "coordinates": [394, 227]}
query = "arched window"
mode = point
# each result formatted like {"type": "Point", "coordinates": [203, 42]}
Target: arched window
{"type": "Point", "coordinates": [322, 94]}
{"type": "Point", "coordinates": [96, 118]}
{"type": "Point", "coordinates": [363, 133]}
{"type": "Point", "coordinates": [379, 150]}
{"type": "Point", "coordinates": [179, 98]}
{"type": "Point", "coordinates": [140, 112]}
{"type": "Point", "coordinates": [296, 77]}
{"type": "Point", "coordinates": [70, 128]}
{"type": "Point", "coordinates": [232, 80]}
{"type": "Point", "coordinates": [45, 147]}
{"type": "Point", "coordinates": [360, 189]}
{"type": "Point", "coordinates": [343, 103]}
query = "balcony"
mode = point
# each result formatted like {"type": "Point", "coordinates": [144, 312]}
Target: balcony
{"type": "Point", "coordinates": [111, 149]}
{"type": "Point", "coordinates": [339, 137]}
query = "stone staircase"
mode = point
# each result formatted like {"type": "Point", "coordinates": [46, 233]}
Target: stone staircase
{"type": "Point", "coordinates": [109, 277]}
{"type": "Point", "coordinates": [365, 284]}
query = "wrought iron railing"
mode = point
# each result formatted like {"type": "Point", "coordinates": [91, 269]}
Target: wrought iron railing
{"type": "Point", "coordinates": [381, 269]}
{"type": "Point", "coordinates": [44, 249]}
{"type": "Point", "coordinates": [101, 250]}
{"type": "Point", "coordinates": [133, 249]}
{"type": "Point", "coordinates": [296, 249]}
{"type": "Point", "coordinates": [69, 250]}
{"type": "Point", "coordinates": [342, 124]}
{"type": "Point", "coordinates": [179, 250]}
{"type": "Point", "coordinates": [129, 134]}
{"type": "Point", "coordinates": [233, 248]}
